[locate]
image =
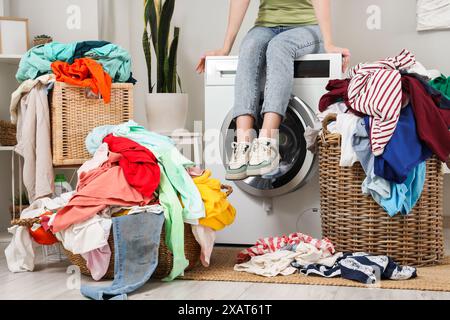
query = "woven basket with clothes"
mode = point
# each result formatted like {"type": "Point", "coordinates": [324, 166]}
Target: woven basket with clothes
{"type": "Point", "coordinates": [355, 222]}
{"type": "Point", "coordinates": [165, 259]}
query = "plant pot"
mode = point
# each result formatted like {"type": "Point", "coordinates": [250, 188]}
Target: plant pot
{"type": "Point", "coordinates": [166, 112]}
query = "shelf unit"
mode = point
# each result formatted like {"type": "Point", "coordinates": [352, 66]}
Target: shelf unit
{"type": "Point", "coordinates": [10, 58]}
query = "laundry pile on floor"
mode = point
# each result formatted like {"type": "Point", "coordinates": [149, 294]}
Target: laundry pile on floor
{"type": "Point", "coordinates": [392, 116]}
{"type": "Point", "coordinates": [136, 178]}
{"type": "Point", "coordinates": [300, 253]}
{"type": "Point", "coordinates": [91, 64]}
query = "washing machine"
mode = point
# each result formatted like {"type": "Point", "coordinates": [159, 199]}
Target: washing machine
{"type": "Point", "coordinates": [286, 200]}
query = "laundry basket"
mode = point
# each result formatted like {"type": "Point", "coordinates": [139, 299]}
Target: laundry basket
{"type": "Point", "coordinates": [7, 133]}
{"type": "Point", "coordinates": [165, 258]}
{"type": "Point", "coordinates": [355, 222]}
{"type": "Point", "coordinates": [74, 115]}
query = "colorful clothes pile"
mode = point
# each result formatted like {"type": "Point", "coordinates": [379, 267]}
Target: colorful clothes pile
{"type": "Point", "coordinates": [395, 118]}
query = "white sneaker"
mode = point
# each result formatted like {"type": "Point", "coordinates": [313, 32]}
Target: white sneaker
{"type": "Point", "coordinates": [264, 157]}
{"type": "Point", "coordinates": [237, 167]}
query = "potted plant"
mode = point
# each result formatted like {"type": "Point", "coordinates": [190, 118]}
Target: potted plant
{"type": "Point", "coordinates": [166, 109]}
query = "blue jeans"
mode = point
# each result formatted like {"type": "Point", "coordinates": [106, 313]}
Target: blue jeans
{"type": "Point", "coordinates": [274, 50]}
{"type": "Point", "coordinates": [136, 246]}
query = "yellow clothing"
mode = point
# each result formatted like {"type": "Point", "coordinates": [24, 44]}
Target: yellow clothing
{"type": "Point", "coordinates": [219, 212]}
{"type": "Point", "coordinates": [121, 213]}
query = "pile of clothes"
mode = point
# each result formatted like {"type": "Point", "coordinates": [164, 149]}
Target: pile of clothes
{"type": "Point", "coordinates": [91, 64]}
{"type": "Point", "coordinates": [136, 182]}
{"type": "Point", "coordinates": [300, 253]}
{"type": "Point", "coordinates": [392, 116]}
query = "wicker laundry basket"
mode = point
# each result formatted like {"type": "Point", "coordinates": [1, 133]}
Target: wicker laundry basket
{"type": "Point", "coordinates": [7, 134]}
{"type": "Point", "coordinates": [355, 222]}
{"type": "Point", "coordinates": [73, 116]}
{"type": "Point", "coordinates": [165, 258]}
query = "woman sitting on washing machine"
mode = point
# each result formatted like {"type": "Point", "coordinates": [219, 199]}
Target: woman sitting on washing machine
{"type": "Point", "coordinates": [284, 30]}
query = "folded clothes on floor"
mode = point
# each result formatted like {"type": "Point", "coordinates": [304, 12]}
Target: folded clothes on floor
{"type": "Point", "coordinates": [362, 267]}
{"type": "Point", "coordinates": [84, 72]}
{"type": "Point", "coordinates": [279, 262]}
{"type": "Point", "coordinates": [136, 245]}
{"type": "Point", "coordinates": [272, 244]}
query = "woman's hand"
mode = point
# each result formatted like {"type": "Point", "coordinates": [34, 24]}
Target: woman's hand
{"type": "Point", "coordinates": [201, 64]}
{"type": "Point", "coordinates": [343, 51]}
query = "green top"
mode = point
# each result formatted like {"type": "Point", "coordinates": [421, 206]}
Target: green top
{"type": "Point", "coordinates": [273, 13]}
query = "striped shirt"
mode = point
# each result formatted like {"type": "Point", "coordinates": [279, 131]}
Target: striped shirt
{"type": "Point", "coordinates": [375, 89]}
{"type": "Point", "coordinates": [272, 244]}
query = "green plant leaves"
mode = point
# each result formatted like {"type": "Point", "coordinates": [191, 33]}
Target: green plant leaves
{"type": "Point", "coordinates": [157, 16]}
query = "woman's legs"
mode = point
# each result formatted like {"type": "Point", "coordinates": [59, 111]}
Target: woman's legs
{"type": "Point", "coordinates": [282, 50]}
{"type": "Point", "coordinates": [281, 53]}
{"type": "Point", "coordinates": [252, 59]}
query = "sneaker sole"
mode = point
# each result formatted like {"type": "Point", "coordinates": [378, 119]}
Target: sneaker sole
{"type": "Point", "coordinates": [262, 171]}
{"type": "Point", "coordinates": [236, 176]}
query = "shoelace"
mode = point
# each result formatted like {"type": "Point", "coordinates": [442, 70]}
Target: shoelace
{"type": "Point", "coordinates": [261, 150]}
{"type": "Point", "coordinates": [239, 150]}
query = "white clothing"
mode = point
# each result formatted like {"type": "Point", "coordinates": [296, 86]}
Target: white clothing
{"type": "Point", "coordinates": [20, 253]}
{"type": "Point", "coordinates": [38, 207]}
{"type": "Point", "coordinates": [346, 126]}
{"type": "Point", "coordinates": [270, 264]}
{"type": "Point", "coordinates": [23, 89]}
{"type": "Point", "coordinates": [205, 237]}
{"type": "Point", "coordinates": [421, 70]}
{"type": "Point", "coordinates": [86, 236]}
{"type": "Point", "coordinates": [279, 262]}
{"type": "Point", "coordinates": [34, 143]}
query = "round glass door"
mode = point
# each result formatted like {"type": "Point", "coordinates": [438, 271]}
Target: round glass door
{"type": "Point", "coordinates": [297, 163]}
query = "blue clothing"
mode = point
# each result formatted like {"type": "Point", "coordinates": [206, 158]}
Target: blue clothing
{"type": "Point", "coordinates": [403, 152]}
{"type": "Point", "coordinates": [392, 197]}
{"type": "Point", "coordinates": [174, 181]}
{"type": "Point", "coordinates": [361, 267]}
{"type": "Point", "coordinates": [83, 47]}
{"type": "Point", "coordinates": [115, 60]}
{"type": "Point", "coordinates": [136, 247]}
{"type": "Point", "coordinates": [37, 61]}
{"type": "Point", "coordinates": [376, 186]}
{"type": "Point", "coordinates": [404, 196]}
{"type": "Point", "coordinates": [270, 52]}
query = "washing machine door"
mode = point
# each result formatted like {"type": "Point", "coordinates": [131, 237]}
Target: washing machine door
{"type": "Point", "coordinates": [297, 163]}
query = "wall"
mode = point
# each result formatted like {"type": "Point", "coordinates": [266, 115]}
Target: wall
{"type": "Point", "coordinates": [203, 25]}
{"type": "Point", "coordinates": [51, 16]}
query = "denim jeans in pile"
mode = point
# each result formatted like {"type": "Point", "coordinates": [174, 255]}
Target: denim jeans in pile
{"type": "Point", "coordinates": [271, 49]}
{"type": "Point", "coordinates": [136, 246]}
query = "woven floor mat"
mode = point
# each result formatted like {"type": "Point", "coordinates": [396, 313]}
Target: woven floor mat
{"type": "Point", "coordinates": [434, 278]}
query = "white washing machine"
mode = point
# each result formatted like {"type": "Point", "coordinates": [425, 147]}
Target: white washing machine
{"type": "Point", "coordinates": [288, 200]}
